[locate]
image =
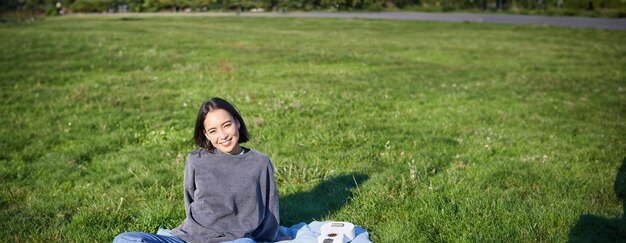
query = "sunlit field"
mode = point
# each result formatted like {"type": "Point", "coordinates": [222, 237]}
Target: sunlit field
{"type": "Point", "coordinates": [415, 131]}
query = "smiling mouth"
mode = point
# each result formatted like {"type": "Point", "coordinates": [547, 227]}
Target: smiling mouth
{"type": "Point", "coordinates": [227, 142]}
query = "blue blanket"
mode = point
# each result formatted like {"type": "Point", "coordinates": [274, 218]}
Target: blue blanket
{"type": "Point", "coordinates": [308, 233]}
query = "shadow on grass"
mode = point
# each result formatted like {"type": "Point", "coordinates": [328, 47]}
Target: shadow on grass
{"type": "Point", "coordinates": [325, 199]}
{"type": "Point", "coordinates": [592, 228]}
{"type": "Point", "coordinates": [129, 19]}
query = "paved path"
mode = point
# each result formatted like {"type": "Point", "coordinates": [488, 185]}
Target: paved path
{"type": "Point", "coordinates": [481, 18]}
{"type": "Point", "coordinates": [581, 22]}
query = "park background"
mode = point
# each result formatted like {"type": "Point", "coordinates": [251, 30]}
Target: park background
{"type": "Point", "coordinates": [592, 8]}
{"type": "Point", "coordinates": [416, 131]}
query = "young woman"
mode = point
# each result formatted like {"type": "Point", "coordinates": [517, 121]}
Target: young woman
{"type": "Point", "coordinates": [229, 190]}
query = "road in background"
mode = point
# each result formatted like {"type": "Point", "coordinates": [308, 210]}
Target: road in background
{"type": "Point", "coordinates": [580, 22]}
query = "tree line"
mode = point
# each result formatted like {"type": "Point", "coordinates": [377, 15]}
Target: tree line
{"type": "Point", "coordinates": [51, 7]}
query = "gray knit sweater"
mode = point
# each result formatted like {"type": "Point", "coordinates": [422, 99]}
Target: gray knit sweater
{"type": "Point", "coordinates": [229, 197]}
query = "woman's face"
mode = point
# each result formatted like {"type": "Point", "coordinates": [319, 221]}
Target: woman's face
{"type": "Point", "coordinates": [222, 129]}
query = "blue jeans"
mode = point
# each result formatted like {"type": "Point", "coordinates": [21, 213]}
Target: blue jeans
{"type": "Point", "coordinates": [162, 236]}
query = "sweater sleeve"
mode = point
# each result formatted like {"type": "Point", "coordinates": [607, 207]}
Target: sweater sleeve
{"type": "Point", "coordinates": [273, 202]}
{"type": "Point", "coordinates": [271, 221]}
{"type": "Point", "coordinates": [189, 185]}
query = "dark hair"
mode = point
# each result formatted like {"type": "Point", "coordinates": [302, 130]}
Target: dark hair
{"type": "Point", "coordinates": [214, 104]}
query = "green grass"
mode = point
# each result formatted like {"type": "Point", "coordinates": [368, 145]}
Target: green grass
{"type": "Point", "coordinates": [416, 131]}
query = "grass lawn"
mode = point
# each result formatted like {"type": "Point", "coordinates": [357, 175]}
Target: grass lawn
{"type": "Point", "coordinates": [416, 131]}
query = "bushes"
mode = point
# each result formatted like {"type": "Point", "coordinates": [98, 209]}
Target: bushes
{"type": "Point", "coordinates": [90, 6]}
{"type": "Point", "coordinates": [593, 4]}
